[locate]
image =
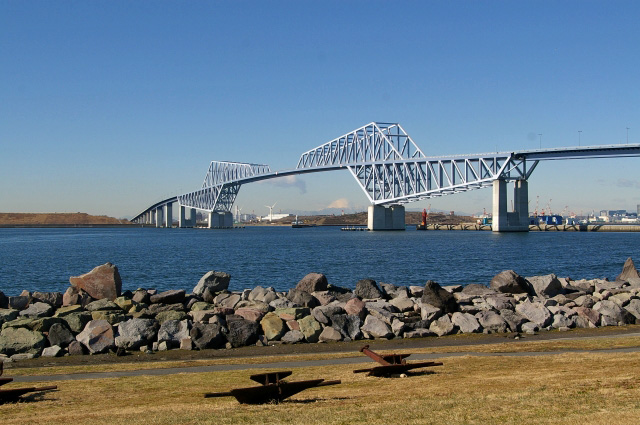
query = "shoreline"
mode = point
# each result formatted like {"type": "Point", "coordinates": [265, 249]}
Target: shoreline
{"type": "Point", "coordinates": [94, 316]}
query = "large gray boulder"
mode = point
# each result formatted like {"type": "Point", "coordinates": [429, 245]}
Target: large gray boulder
{"type": "Point", "coordinates": [60, 335]}
{"type": "Point", "coordinates": [402, 303]}
{"type": "Point", "coordinates": [7, 315]}
{"type": "Point", "coordinates": [500, 302]}
{"type": "Point", "coordinates": [339, 323]}
{"type": "Point", "coordinates": [37, 309]}
{"type": "Point", "coordinates": [242, 332]}
{"type": "Point", "coordinates": [477, 289]}
{"type": "Point", "coordinates": [368, 289]}
{"type": "Point", "coordinates": [353, 325]}
{"type": "Point", "coordinates": [97, 336]}
{"type": "Point", "coordinates": [135, 333]}
{"type": "Point", "coordinates": [535, 312]}
{"type": "Point", "coordinates": [101, 282]}
{"type": "Point", "coordinates": [174, 331]}
{"type": "Point", "coordinates": [75, 296]}
{"type": "Point", "coordinates": [103, 304]}
{"type": "Point", "coordinates": [273, 327]}
{"type": "Point", "coordinates": [52, 298]}
{"type": "Point", "coordinates": [634, 309]}
{"type": "Point", "coordinates": [629, 271]}
{"type": "Point", "coordinates": [293, 337]}
{"type": "Point", "coordinates": [590, 315]}
{"type": "Point", "coordinates": [265, 295]}
{"type": "Point", "coordinates": [312, 282]}
{"type": "Point", "coordinates": [442, 326]}
{"type": "Point", "coordinates": [492, 321]}
{"type": "Point", "coordinates": [429, 312]}
{"type": "Point", "coordinates": [438, 297]}
{"type": "Point", "coordinates": [208, 335]}
{"type": "Point", "coordinates": [513, 319]}
{"type": "Point", "coordinates": [356, 306]}
{"type": "Point", "coordinates": [310, 327]}
{"type": "Point", "coordinates": [173, 296]}
{"type": "Point", "coordinates": [466, 322]}
{"type": "Point", "coordinates": [376, 327]}
{"type": "Point", "coordinates": [612, 314]}
{"type": "Point", "coordinates": [323, 314]}
{"type": "Point", "coordinates": [215, 281]}
{"type": "Point", "coordinates": [509, 282]}
{"type": "Point", "coordinates": [77, 321]}
{"type": "Point", "coordinates": [302, 298]}
{"type": "Point", "coordinates": [19, 302]}
{"type": "Point", "coordinates": [547, 286]}
{"type": "Point", "coordinates": [21, 340]}
{"type": "Point", "coordinates": [329, 334]}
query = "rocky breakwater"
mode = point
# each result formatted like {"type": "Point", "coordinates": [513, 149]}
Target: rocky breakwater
{"type": "Point", "coordinates": [94, 316]}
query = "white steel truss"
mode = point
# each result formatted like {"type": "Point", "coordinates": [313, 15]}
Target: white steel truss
{"type": "Point", "coordinates": [401, 182]}
{"type": "Point", "coordinates": [373, 142]}
{"type": "Point", "coordinates": [391, 168]}
{"type": "Point", "coordinates": [221, 185]}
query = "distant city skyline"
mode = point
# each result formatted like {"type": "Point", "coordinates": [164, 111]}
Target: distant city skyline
{"type": "Point", "coordinates": [108, 107]}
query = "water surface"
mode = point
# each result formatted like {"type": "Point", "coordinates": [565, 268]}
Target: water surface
{"type": "Point", "coordinates": [44, 259]}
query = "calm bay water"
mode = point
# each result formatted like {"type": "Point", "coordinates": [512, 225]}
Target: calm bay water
{"type": "Point", "coordinates": [43, 259]}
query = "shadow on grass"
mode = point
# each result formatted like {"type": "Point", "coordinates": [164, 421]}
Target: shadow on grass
{"type": "Point", "coordinates": [31, 398]}
{"type": "Point", "coordinates": [315, 400]}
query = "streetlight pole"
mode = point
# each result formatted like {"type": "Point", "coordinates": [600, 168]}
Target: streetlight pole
{"type": "Point", "coordinates": [540, 134]}
{"type": "Point", "coordinates": [579, 134]}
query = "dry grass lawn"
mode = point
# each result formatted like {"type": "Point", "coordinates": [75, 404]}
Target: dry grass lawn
{"type": "Point", "coordinates": [574, 388]}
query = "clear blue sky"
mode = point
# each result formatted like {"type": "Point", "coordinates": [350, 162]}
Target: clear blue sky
{"type": "Point", "coordinates": [107, 106]}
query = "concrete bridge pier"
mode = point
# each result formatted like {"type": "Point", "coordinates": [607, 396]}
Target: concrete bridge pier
{"type": "Point", "coordinates": [516, 221]}
{"type": "Point", "coordinates": [220, 219]}
{"type": "Point", "coordinates": [192, 218]}
{"type": "Point", "coordinates": [183, 221]}
{"type": "Point", "coordinates": [168, 216]}
{"type": "Point", "coordinates": [386, 218]}
{"type": "Point", "coordinates": [159, 219]}
{"type": "Point", "coordinates": [182, 217]}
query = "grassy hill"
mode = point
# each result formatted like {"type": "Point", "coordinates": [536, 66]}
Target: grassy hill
{"type": "Point", "coordinates": [52, 219]}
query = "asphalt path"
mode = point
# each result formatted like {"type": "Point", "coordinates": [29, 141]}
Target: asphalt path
{"type": "Point", "coordinates": [358, 358]}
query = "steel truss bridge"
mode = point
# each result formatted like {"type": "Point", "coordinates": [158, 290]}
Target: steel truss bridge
{"type": "Point", "coordinates": [392, 171]}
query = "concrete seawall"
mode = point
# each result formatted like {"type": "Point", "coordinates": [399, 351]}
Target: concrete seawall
{"type": "Point", "coordinates": [543, 227]}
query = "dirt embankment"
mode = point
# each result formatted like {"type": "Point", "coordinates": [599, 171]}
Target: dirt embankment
{"type": "Point", "coordinates": [60, 219]}
{"type": "Point", "coordinates": [360, 219]}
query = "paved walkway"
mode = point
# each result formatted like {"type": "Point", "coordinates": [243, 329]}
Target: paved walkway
{"type": "Point", "coordinates": [356, 359]}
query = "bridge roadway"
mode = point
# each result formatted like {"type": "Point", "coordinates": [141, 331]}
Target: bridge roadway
{"type": "Point", "coordinates": [392, 171]}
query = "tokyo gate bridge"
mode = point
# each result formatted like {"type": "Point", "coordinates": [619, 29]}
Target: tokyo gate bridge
{"type": "Point", "coordinates": [391, 170]}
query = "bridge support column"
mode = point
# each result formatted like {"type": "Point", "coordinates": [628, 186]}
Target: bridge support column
{"type": "Point", "coordinates": [182, 222]}
{"type": "Point", "coordinates": [386, 218]}
{"type": "Point", "coordinates": [516, 221]}
{"type": "Point", "coordinates": [227, 220]}
{"type": "Point", "coordinates": [168, 216]}
{"type": "Point", "coordinates": [220, 220]}
{"type": "Point", "coordinates": [159, 217]}
{"type": "Point", "coordinates": [192, 217]}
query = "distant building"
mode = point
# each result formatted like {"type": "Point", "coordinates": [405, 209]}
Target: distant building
{"type": "Point", "coordinates": [638, 207]}
{"type": "Point", "coordinates": [275, 217]}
